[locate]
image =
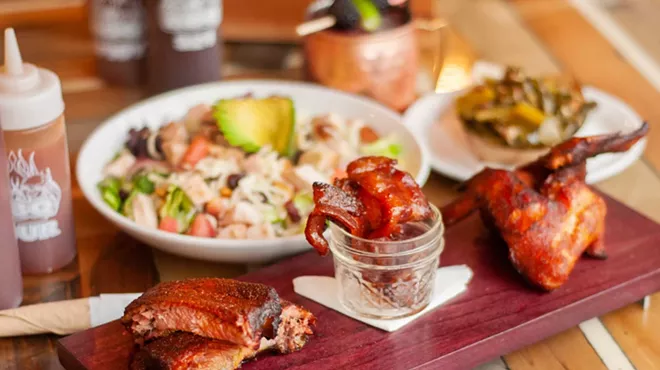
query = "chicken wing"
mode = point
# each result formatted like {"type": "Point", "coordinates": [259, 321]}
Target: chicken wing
{"type": "Point", "coordinates": [576, 151]}
{"type": "Point", "coordinates": [544, 211]}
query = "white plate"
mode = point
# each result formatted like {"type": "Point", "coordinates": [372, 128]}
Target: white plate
{"type": "Point", "coordinates": [309, 100]}
{"type": "Point", "coordinates": [433, 117]}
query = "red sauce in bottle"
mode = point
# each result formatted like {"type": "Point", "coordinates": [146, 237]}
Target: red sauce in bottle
{"type": "Point", "coordinates": [40, 175]}
{"type": "Point", "coordinates": [31, 114]}
{"type": "Point", "coordinates": [11, 283]}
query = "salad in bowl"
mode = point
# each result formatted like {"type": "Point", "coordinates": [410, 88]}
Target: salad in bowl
{"type": "Point", "coordinates": [238, 169]}
{"type": "Point", "coordinates": [223, 171]}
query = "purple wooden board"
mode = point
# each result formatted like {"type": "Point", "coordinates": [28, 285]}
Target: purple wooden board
{"type": "Point", "coordinates": [497, 315]}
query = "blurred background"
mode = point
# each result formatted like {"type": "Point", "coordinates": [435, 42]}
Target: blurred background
{"type": "Point", "coordinates": [258, 40]}
{"type": "Point", "coordinates": [252, 20]}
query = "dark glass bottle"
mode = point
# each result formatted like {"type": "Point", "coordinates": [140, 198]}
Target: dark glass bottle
{"type": "Point", "coordinates": [185, 46]}
{"type": "Point", "coordinates": [118, 27]}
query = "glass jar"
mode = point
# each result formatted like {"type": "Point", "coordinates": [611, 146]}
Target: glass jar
{"type": "Point", "coordinates": [387, 279]}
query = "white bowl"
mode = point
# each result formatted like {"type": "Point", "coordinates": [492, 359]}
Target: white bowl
{"type": "Point", "coordinates": [103, 143]}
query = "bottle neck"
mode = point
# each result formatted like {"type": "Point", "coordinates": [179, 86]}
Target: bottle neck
{"type": "Point", "coordinates": [24, 109]}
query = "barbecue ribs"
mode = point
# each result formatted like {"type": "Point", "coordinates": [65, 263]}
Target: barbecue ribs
{"type": "Point", "coordinates": [225, 309]}
{"type": "Point", "coordinates": [183, 351]}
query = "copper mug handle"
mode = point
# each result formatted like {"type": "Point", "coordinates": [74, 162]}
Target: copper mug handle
{"type": "Point", "coordinates": [439, 27]}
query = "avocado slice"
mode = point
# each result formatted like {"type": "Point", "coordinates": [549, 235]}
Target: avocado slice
{"type": "Point", "coordinates": [250, 123]}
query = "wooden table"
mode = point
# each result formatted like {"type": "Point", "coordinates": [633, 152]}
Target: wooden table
{"type": "Point", "coordinates": [544, 36]}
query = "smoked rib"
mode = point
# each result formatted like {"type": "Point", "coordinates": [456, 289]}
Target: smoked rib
{"type": "Point", "coordinates": [224, 309]}
{"type": "Point", "coordinates": [182, 351]}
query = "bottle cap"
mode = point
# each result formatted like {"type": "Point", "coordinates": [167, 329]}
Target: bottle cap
{"type": "Point", "coordinates": [29, 96]}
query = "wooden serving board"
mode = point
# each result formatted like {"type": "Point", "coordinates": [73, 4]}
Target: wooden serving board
{"type": "Point", "coordinates": [498, 314]}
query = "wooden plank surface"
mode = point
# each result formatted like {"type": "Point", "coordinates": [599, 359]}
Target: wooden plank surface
{"type": "Point", "coordinates": [636, 332]}
{"type": "Point", "coordinates": [495, 32]}
{"type": "Point", "coordinates": [562, 351]}
{"type": "Point", "coordinates": [633, 328]}
{"type": "Point", "coordinates": [639, 18]}
{"type": "Point", "coordinates": [598, 64]}
{"type": "Point", "coordinates": [29, 13]}
{"type": "Point", "coordinates": [275, 21]}
{"type": "Point", "coordinates": [263, 20]}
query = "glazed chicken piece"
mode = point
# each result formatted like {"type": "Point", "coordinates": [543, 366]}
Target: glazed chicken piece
{"type": "Point", "coordinates": [373, 202]}
{"type": "Point", "coordinates": [544, 211]}
{"type": "Point", "coordinates": [225, 309]}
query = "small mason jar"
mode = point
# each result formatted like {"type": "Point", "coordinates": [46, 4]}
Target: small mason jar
{"type": "Point", "coordinates": [388, 279]}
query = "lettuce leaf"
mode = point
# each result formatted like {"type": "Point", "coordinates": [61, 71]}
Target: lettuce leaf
{"type": "Point", "coordinates": [178, 206]}
{"type": "Point", "coordinates": [385, 147]}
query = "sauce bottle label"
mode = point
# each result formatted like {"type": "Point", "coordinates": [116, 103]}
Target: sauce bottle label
{"type": "Point", "coordinates": [119, 28]}
{"type": "Point", "coordinates": [193, 24]}
{"type": "Point", "coordinates": [35, 198]}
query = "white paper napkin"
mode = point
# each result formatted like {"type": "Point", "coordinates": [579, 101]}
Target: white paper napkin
{"type": "Point", "coordinates": [449, 282]}
{"type": "Point", "coordinates": [63, 317]}
{"type": "Point", "coordinates": [108, 307]}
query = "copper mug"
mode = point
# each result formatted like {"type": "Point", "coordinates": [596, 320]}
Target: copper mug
{"type": "Point", "coordinates": [382, 65]}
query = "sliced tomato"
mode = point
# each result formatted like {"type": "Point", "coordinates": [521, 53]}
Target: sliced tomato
{"type": "Point", "coordinates": [169, 224]}
{"type": "Point", "coordinates": [197, 150]}
{"type": "Point", "coordinates": [201, 226]}
{"type": "Point", "coordinates": [215, 207]}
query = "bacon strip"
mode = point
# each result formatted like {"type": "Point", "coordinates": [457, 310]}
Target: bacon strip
{"type": "Point", "coordinates": [401, 199]}
{"type": "Point", "coordinates": [332, 203]}
{"type": "Point", "coordinates": [372, 202]}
